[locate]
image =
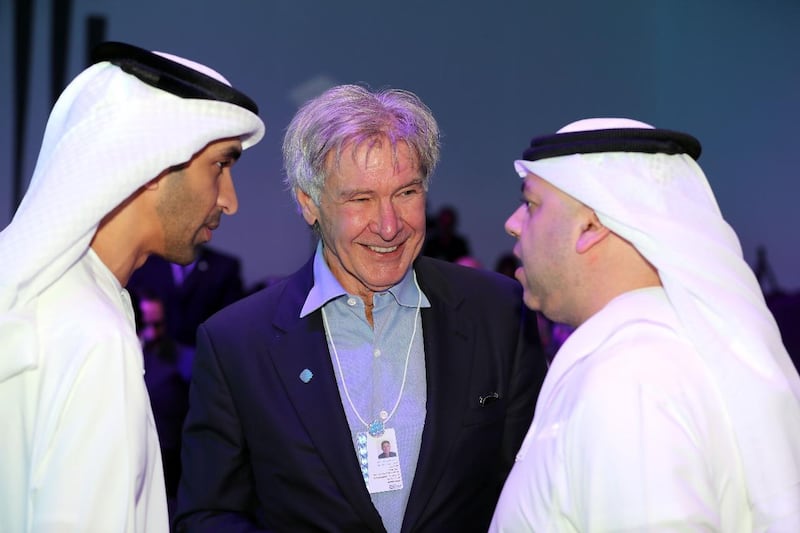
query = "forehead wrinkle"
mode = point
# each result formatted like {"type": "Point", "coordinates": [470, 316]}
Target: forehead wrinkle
{"type": "Point", "coordinates": [368, 142]}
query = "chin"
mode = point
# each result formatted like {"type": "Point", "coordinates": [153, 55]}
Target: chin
{"type": "Point", "coordinates": [183, 257]}
{"type": "Point", "coordinates": [531, 302]}
{"type": "Point", "coordinates": [387, 281]}
{"type": "Point", "coordinates": [378, 285]}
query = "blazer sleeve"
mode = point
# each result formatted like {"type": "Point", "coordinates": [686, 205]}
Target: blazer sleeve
{"type": "Point", "coordinates": [216, 489]}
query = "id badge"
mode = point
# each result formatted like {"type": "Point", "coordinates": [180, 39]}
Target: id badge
{"type": "Point", "coordinates": [380, 462]}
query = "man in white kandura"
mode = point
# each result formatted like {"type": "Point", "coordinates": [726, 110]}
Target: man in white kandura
{"type": "Point", "coordinates": [135, 161]}
{"type": "Point", "coordinates": [674, 405]}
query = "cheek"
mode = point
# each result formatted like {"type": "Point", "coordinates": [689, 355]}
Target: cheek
{"type": "Point", "coordinates": [528, 230]}
{"type": "Point", "coordinates": [529, 243]}
{"type": "Point", "coordinates": [351, 223]}
{"type": "Point", "coordinates": [413, 214]}
{"type": "Point", "coordinates": [341, 226]}
{"type": "Point", "coordinates": [536, 240]}
{"type": "Point", "coordinates": [211, 193]}
{"type": "Point", "coordinates": [200, 197]}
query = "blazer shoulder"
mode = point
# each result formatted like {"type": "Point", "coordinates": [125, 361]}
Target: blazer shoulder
{"type": "Point", "coordinates": [283, 298]}
{"type": "Point", "coordinates": [261, 304]}
{"type": "Point", "coordinates": [218, 257]}
{"type": "Point", "coordinates": [457, 281]}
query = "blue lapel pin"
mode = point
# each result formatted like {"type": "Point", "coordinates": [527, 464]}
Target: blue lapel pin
{"type": "Point", "coordinates": [306, 375]}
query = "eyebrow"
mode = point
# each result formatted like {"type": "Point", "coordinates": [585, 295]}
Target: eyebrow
{"type": "Point", "coordinates": [411, 183]}
{"type": "Point", "coordinates": [233, 153]}
{"type": "Point", "coordinates": [349, 193]}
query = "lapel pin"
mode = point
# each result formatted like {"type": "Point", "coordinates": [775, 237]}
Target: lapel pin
{"type": "Point", "coordinates": [489, 398]}
{"type": "Point", "coordinates": [306, 375]}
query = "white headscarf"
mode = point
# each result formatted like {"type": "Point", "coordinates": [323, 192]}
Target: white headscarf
{"type": "Point", "coordinates": [664, 206]}
{"type": "Point", "coordinates": [108, 134]}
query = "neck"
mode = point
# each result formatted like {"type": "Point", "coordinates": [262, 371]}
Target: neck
{"type": "Point", "coordinates": [118, 248]}
{"type": "Point", "coordinates": [122, 237]}
{"type": "Point", "coordinates": [628, 271]}
{"type": "Point", "coordinates": [369, 304]}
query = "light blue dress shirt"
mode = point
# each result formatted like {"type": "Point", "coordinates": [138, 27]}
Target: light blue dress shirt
{"type": "Point", "coordinates": [372, 364]}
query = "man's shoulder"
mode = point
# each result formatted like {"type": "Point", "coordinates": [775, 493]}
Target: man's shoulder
{"type": "Point", "coordinates": [263, 300]}
{"type": "Point", "coordinates": [467, 281]}
{"type": "Point", "coordinates": [217, 259]}
{"type": "Point", "coordinates": [284, 296]}
{"type": "Point", "coordinates": [76, 295]}
{"type": "Point", "coordinates": [75, 317]}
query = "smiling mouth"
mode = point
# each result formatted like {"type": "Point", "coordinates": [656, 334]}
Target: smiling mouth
{"type": "Point", "coordinates": [382, 250]}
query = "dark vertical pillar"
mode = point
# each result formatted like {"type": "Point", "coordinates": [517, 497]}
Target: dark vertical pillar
{"type": "Point", "coordinates": [59, 45]}
{"type": "Point", "coordinates": [22, 59]}
{"type": "Point", "coordinates": [95, 34]}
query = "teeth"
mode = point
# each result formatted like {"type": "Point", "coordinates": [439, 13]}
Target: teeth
{"type": "Point", "coordinates": [382, 250]}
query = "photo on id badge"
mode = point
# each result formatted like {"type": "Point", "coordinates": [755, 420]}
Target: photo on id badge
{"type": "Point", "coordinates": [384, 463]}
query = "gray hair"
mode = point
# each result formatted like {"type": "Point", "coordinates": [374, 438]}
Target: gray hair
{"type": "Point", "coordinates": [352, 114]}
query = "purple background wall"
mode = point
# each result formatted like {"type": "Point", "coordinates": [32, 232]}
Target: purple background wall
{"type": "Point", "coordinates": [494, 74]}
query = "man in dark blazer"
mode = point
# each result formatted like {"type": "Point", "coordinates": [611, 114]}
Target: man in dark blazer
{"type": "Point", "coordinates": [191, 293]}
{"type": "Point", "coordinates": [280, 433]}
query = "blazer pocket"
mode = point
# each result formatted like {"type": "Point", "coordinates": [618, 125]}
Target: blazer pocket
{"type": "Point", "coordinates": [490, 411]}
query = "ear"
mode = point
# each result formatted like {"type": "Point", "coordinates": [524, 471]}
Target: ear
{"type": "Point", "coordinates": [151, 185]}
{"type": "Point", "coordinates": [592, 232]}
{"type": "Point", "coordinates": [307, 206]}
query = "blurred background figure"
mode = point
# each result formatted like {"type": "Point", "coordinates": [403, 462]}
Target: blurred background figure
{"type": "Point", "coordinates": [764, 274]}
{"type": "Point", "coordinates": [553, 335]}
{"type": "Point", "coordinates": [507, 264]}
{"type": "Point", "coordinates": [191, 293]}
{"type": "Point", "coordinates": [444, 242]}
{"type": "Point", "coordinates": [167, 371]}
{"type": "Point", "coordinates": [784, 305]}
{"type": "Point", "coordinates": [468, 261]}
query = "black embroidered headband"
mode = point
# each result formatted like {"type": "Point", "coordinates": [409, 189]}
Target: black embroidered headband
{"type": "Point", "coordinates": [645, 140]}
{"type": "Point", "coordinates": [168, 75]}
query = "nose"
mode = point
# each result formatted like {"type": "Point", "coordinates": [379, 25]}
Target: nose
{"type": "Point", "coordinates": [226, 199]}
{"type": "Point", "coordinates": [512, 224]}
{"type": "Point", "coordinates": [387, 223]}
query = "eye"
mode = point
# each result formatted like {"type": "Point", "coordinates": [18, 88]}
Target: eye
{"type": "Point", "coordinates": [410, 191]}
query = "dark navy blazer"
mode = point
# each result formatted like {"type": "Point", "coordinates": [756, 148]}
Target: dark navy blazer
{"type": "Point", "coordinates": [265, 451]}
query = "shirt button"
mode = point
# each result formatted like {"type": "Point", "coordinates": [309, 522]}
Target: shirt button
{"type": "Point", "coordinates": [376, 352]}
{"type": "Point", "coordinates": [351, 302]}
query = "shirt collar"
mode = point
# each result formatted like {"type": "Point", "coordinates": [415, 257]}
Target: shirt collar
{"type": "Point", "coordinates": [326, 288]}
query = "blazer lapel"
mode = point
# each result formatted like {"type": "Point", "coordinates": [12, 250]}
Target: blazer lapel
{"type": "Point", "coordinates": [302, 347]}
{"type": "Point", "coordinates": [448, 356]}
